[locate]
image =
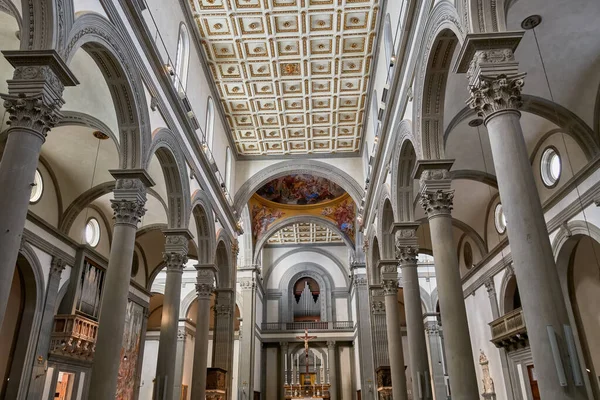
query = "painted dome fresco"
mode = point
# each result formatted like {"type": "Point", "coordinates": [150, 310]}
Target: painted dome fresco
{"type": "Point", "coordinates": [300, 189]}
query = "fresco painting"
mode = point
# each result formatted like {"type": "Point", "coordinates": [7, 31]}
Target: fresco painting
{"type": "Point", "coordinates": [300, 189]}
{"type": "Point", "coordinates": [130, 351]}
{"type": "Point", "coordinates": [262, 218]}
{"type": "Point", "coordinates": [343, 214]}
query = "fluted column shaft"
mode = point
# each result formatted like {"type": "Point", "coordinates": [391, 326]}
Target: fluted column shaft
{"type": "Point", "coordinates": [407, 251]}
{"type": "Point", "coordinates": [332, 360]}
{"type": "Point", "coordinates": [389, 277]}
{"type": "Point", "coordinates": [248, 278]}
{"type": "Point", "coordinates": [495, 84]}
{"type": "Point", "coordinates": [33, 105]}
{"type": "Point", "coordinates": [128, 207]}
{"type": "Point", "coordinates": [204, 288]}
{"type": "Point", "coordinates": [224, 330]}
{"type": "Point", "coordinates": [175, 257]}
{"type": "Point", "coordinates": [38, 375]}
{"type": "Point", "coordinates": [436, 199]}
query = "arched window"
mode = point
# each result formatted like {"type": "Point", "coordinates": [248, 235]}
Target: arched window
{"type": "Point", "coordinates": [375, 112]}
{"type": "Point", "coordinates": [388, 40]}
{"type": "Point", "coordinates": [210, 122]}
{"type": "Point", "coordinates": [182, 58]}
{"type": "Point", "coordinates": [228, 167]}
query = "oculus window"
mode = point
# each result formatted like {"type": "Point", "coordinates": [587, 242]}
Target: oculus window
{"type": "Point", "coordinates": [550, 167]}
{"type": "Point", "coordinates": [38, 187]}
{"type": "Point", "coordinates": [92, 232]}
{"type": "Point", "coordinates": [499, 219]}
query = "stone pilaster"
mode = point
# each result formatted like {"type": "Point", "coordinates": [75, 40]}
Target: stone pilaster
{"type": "Point", "coordinates": [128, 206]}
{"type": "Point", "coordinates": [175, 258]}
{"type": "Point", "coordinates": [437, 357]}
{"type": "Point", "coordinates": [33, 105]}
{"type": "Point", "coordinates": [204, 288]}
{"type": "Point", "coordinates": [379, 325]}
{"type": "Point", "coordinates": [223, 334]}
{"type": "Point", "coordinates": [38, 376]}
{"type": "Point", "coordinates": [365, 335]}
{"type": "Point", "coordinates": [407, 251]}
{"type": "Point", "coordinates": [437, 201]}
{"type": "Point", "coordinates": [389, 279]}
{"type": "Point", "coordinates": [495, 85]}
{"type": "Point", "coordinates": [333, 375]}
{"type": "Point", "coordinates": [248, 280]}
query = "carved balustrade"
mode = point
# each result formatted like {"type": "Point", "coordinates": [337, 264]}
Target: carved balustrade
{"type": "Point", "coordinates": [74, 336]}
{"type": "Point", "coordinates": [509, 331]}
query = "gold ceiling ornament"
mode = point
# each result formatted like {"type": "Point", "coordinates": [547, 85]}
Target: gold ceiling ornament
{"type": "Point", "coordinates": [242, 37]}
{"type": "Point", "coordinates": [100, 135]}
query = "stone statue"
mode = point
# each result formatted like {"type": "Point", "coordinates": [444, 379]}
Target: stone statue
{"type": "Point", "coordinates": [488, 383]}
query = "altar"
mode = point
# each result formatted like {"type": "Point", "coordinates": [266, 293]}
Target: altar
{"type": "Point", "coordinates": [308, 385]}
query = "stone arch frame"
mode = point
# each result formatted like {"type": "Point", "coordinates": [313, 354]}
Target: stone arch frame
{"type": "Point", "coordinates": [373, 258]}
{"type": "Point", "coordinates": [260, 243]}
{"type": "Point", "coordinates": [507, 279]}
{"type": "Point", "coordinates": [467, 229]}
{"type": "Point", "coordinates": [317, 250]}
{"type": "Point", "coordinates": [174, 168]}
{"type": "Point", "coordinates": [568, 122]}
{"type": "Point", "coordinates": [443, 32]}
{"type": "Point", "coordinates": [386, 220]}
{"type": "Point", "coordinates": [283, 168]}
{"type": "Point", "coordinates": [205, 225]}
{"type": "Point", "coordinates": [35, 287]}
{"type": "Point", "coordinates": [105, 44]}
{"type": "Point", "coordinates": [563, 245]}
{"type": "Point", "coordinates": [76, 118]}
{"type": "Point", "coordinates": [402, 167]}
{"type": "Point", "coordinates": [47, 23]}
{"type": "Point", "coordinates": [8, 7]}
{"type": "Point", "coordinates": [86, 198]}
{"type": "Point", "coordinates": [303, 270]}
{"type": "Point", "coordinates": [223, 261]}
{"type": "Point", "coordinates": [483, 16]}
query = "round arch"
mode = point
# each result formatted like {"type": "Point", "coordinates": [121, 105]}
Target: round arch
{"type": "Point", "coordinates": [205, 226]}
{"type": "Point", "coordinates": [223, 261]}
{"type": "Point", "coordinates": [298, 219]}
{"type": "Point", "coordinates": [402, 180]}
{"type": "Point", "coordinates": [172, 162]}
{"type": "Point", "coordinates": [283, 168]}
{"type": "Point", "coordinates": [384, 225]}
{"type": "Point", "coordinates": [443, 33]}
{"type": "Point", "coordinates": [101, 40]}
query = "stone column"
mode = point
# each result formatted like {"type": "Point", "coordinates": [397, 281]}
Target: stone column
{"type": "Point", "coordinates": [389, 278]}
{"type": "Point", "coordinates": [33, 104]}
{"type": "Point", "coordinates": [285, 366]}
{"type": "Point", "coordinates": [248, 280]}
{"type": "Point", "coordinates": [436, 350]}
{"type": "Point", "coordinates": [436, 199]}
{"type": "Point", "coordinates": [495, 84]}
{"type": "Point", "coordinates": [182, 334]}
{"type": "Point", "coordinates": [204, 287]}
{"type": "Point", "coordinates": [381, 354]}
{"type": "Point", "coordinates": [407, 250]}
{"type": "Point", "coordinates": [38, 375]}
{"type": "Point", "coordinates": [491, 290]}
{"type": "Point", "coordinates": [224, 330]}
{"type": "Point", "coordinates": [332, 364]}
{"type": "Point", "coordinates": [175, 258]}
{"type": "Point", "coordinates": [128, 207]}
{"type": "Point", "coordinates": [365, 339]}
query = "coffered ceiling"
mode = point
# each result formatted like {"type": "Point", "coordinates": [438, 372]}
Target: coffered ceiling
{"type": "Point", "coordinates": [304, 233]}
{"type": "Point", "coordinates": [292, 74]}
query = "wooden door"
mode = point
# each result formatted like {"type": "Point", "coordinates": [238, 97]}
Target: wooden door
{"type": "Point", "coordinates": [535, 391]}
{"type": "Point", "coordinates": [358, 395]}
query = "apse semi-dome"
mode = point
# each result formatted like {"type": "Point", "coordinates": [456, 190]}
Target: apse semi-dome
{"type": "Point", "coordinates": [300, 189]}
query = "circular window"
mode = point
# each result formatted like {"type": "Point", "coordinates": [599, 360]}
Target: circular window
{"type": "Point", "coordinates": [92, 232]}
{"type": "Point", "coordinates": [37, 188]}
{"type": "Point", "coordinates": [550, 167]}
{"type": "Point", "coordinates": [468, 255]}
{"type": "Point", "coordinates": [500, 219]}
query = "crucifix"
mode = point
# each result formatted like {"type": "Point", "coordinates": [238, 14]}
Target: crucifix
{"type": "Point", "coordinates": [306, 338]}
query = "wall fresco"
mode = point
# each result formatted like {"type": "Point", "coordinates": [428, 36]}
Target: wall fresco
{"type": "Point", "coordinates": [301, 189]}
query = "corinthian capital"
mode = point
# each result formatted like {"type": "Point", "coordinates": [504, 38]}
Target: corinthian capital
{"type": "Point", "coordinates": [175, 261]}
{"type": "Point", "coordinates": [438, 202]}
{"type": "Point", "coordinates": [35, 92]}
{"type": "Point", "coordinates": [390, 287]}
{"type": "Point", "coordinates": [204, 290]}
{"type": "Point", "coordinates": [176, 248]}
{"type": "Point", "coordinates": [128, 212]}
{"type": "Point", "coordinates": [407, 246]}
{"type": "Point", "coordinates": [498, 93]}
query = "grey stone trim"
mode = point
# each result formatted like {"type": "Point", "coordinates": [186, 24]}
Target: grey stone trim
{"type": "Point", "coordinates": [8, 7]}
{"type": "Point", "coordinates": [194, 156]}
{"type": "Point", "coordinates": [48, 167]}
{"type": "Point", "coordinates": [477, 176]}
{"type": "Point", "coordinates": [489, 274]}
{"type": "Point", "coordinates": [205, 224]}
{"type": "Point", "coordinates": [283, 168]}
{"type": "Point", "coordinates": [319, 274]}
{"type": "Point", "coordinates": [174, 168]}
{"type": "Point", "coordinates": [472, 233]}
{"type": "Point", "coordinates": [114, 57]}
{"type": "Point", "coordinates": [76, 118]}
{"type": "Point", "coordinates": [568, 121]}
{"type": "Point", "coordinates": [46, 246]}
{"type": "Point", "coordinates": [296, 219]}
{"type": "Point", "coordinates": [402, 165]}
{"type": "Point", "coordinates": [313, 250]}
